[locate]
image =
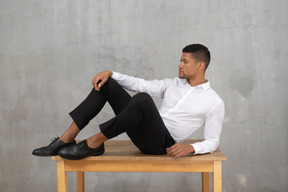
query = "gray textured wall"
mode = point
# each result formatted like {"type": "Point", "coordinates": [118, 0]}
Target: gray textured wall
{"type": "Point", "coordinates": [50, 51]}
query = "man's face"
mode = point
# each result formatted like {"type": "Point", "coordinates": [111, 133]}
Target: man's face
{"type": "Point", "coordinates": [188, 68]}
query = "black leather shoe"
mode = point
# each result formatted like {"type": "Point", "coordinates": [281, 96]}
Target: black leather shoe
{"type": "Point", "coordinates": [80, 151]}
{"type": "Point", "coordinates": [52, 148]}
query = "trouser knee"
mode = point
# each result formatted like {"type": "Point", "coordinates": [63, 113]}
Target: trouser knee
{"type": "Point", "coordinates": [143, 97]}
{"type": "Point", "coordinates": [144, 101]}
{"type": "Point", "coordinates": [110, 83]}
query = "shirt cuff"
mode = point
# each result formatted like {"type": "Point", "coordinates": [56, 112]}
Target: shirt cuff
{"type": "Point", "coordinates": [115, 75]}
{"type": "Point", "coordinates": [196, 148]}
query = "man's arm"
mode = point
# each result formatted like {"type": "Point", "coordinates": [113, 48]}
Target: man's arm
{"type": "Point", "coordinates": [155, 87]}
{"type": "Point", "coordinates": [212, 130]}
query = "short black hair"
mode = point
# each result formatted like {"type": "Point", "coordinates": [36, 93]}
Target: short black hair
{"type": "Point", "coordinates": [199, 53]}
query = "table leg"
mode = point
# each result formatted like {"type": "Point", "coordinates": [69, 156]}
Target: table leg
{"type": "Point", "coordinates": [205, 182]}
{"type": "Point", "coordinates": [80, 181]}
{"type": "Point", "coordinates": [61, 176]}
{"type": "Point", "coordinates": [217, 177]}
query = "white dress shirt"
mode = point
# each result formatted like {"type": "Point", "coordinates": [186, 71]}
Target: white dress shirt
{"type": "Point", "coordinates": [184, 108]}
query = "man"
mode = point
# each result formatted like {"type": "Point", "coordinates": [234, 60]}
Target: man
{"type": "Point", "coordinates": [188, 103]}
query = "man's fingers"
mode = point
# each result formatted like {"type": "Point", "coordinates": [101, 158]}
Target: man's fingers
{"type": "Point", "coordinates": [178, 155]}
{"type": "Point", "coordinates": [97, 82]}
{"type": "Point", "coordinates": [173, 151]}
{"type": "Point", "coordinates": [175, 154]}
{"type": "Point", "coordinates": [102, 82]}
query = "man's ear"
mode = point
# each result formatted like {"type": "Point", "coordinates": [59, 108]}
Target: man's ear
{"type": "Point", "coordinates": [201, 65]}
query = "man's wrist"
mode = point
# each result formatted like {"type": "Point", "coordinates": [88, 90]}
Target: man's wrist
{"type": "Point", "coordinates": [110, 73]}
{"type": "Point", "coordinates": [192, 151]}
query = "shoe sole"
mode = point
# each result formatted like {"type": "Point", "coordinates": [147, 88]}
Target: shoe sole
{"type": "Point", "coordinates": [38, 155]}
{"type": "Point", "coordinates": [79, 158]}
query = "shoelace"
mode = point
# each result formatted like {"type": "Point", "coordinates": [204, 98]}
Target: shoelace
{"type": "Point", "coordinates": [81, 143]}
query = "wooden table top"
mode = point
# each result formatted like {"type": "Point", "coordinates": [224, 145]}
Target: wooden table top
{"type": "Point", "coordinates": [125, 150]}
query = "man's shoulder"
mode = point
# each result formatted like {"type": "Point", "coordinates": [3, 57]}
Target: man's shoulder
{"type": "Point", "coordinates": [214, 96]}
{"type": "Point", "coordinates": [175, 80]}
{"type": "Point", "coordinates": [172, 81]}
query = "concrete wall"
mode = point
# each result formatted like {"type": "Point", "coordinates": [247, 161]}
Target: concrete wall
{"type": "Point", "coordinates": [50, 51]}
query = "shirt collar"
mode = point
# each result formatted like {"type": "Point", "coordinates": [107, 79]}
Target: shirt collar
{"type": "Point", "coordinates": [205, 86]}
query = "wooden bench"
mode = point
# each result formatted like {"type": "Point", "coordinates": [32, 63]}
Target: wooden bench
{"type": "Point", "coordinates": [123, 156]}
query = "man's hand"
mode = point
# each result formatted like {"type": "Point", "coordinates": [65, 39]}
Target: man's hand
{"type": "Point", "coordinates": [100, 79]}
{"type": "Point", "coordinates": [179, 150]}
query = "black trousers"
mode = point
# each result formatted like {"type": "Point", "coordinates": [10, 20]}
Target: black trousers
{"type": "Point", "coordinates": [137, 116]}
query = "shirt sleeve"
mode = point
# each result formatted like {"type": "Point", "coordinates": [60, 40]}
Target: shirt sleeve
{"type": "Point", "coordinates": [212, 130]}
{"type": "Point", "coordinates": [155, 88]}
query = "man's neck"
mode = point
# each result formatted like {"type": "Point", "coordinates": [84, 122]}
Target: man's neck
{"type": "Point", "coordinates": [197, 81]}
